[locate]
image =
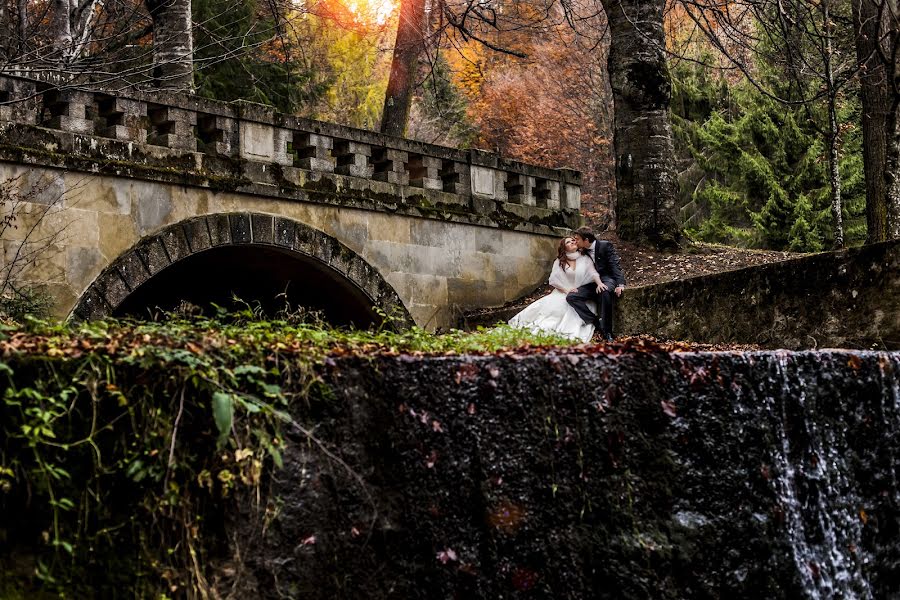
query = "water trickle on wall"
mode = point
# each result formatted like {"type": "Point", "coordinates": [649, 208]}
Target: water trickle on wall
{"type": "Point", "coordinates": [821, 508]}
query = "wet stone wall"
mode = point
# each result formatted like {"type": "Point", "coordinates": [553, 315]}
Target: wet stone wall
{"type": "Point", "coordinates": [581, 475]}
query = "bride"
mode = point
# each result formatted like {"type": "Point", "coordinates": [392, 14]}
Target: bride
{"type": "Point", "coordinates": [552, 313]}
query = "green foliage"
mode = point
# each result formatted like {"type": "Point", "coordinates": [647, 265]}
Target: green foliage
{"type": "Point", "coordinates": [443, 103]}
{"type": "Point", "coordinates": [122, 444]}
{"type": "Point", "coordinates": [757, 173]}
{"type": "Point", "coordinates": [241, 54]}
{"type": "Point", "coordinates": [354, 72]}
{"type": "Point", "coordinates": [21, 303]}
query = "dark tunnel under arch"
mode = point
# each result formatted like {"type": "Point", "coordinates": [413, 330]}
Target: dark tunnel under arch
{"type": "Point", "coordinates": [259, 258]}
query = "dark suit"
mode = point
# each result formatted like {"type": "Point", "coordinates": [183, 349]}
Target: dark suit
{"type": "Point", "coordinates": [606, 262]}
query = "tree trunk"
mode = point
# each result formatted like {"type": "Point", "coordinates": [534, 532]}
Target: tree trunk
{"type": "Point", "coordinates": [892, 173]}
{"type": "Point", "coordinates": [22, 29]}
{"type": "Point", "coordinates": [409, 45]}
{"type": "Point", "coordinates": [876, 104]}
{"type": "Point", "coordinates": [837, 216]}
{"type": "Point", "coordinates": [7, 33]}
{"type": "Point", "coordinates": [890, 40]}
{"type": "Point", "coordinates": [646, 178]}
{"type": "Point", "coordinates": [173, 44]}
{"type": "Point", "coordinates": [61, 30]}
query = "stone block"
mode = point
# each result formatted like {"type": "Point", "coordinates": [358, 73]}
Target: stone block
{"type": "Point", "coordinates": [282, 138]}
{"type": "Point", "coordinates": [153, 254]}
{"type": "Point", "coordinates": [262, 229]}
{"type": "Point", "coordinates": [171, 127]}
{"type": "Point", "coordinates": [258, 172]}
{"type": "Point", "coordinates": [483, 158]}
{"type": "Point", "coordinates": [69, 110]}
{"type": "Point", "coordinates": [257, 141]}
{"type": "Point", "coordinates": [113, 289]}
{"type": "Point", "coordinates": [132, 270]}
{"type": "Point", "coordinates": [241, 230]}
{"type": "Point", "coordinates": [175, 242]}
{"type": "Point", "coordinates": [91, 306]}
{"type": "Point", "coordinates": [482, 181]}
{"type": "Point", "coordinates": [197, 234]}
{"type": "Point", "coordinates": [519, 189]}
{"type": "Point", "coordinates": [19, 100]}
{"type": "Point", "coordinates": [467, 293]}
{"type": "Point", "coordinates": [313, 243]}
{"type": "Point", "coordinates": [360, 272]}
{"type": "Point", "coordinates": [284, 232]}
{"type": "Point", "coordinates": [483, 206]}
{"type": "Point", "coordinates": [419, 289]}
{"type": "Point", "coordinates": [454, 177]}
{"type": "Point", "coordinates": [341, 259]}
{"type": "Point", "coordinates": [121, 119]}
{"type": "Point", "coordinates": [219, 230]}
{"type": "Point", "coordinates": [546, 193]}
{"type": "Point", "coordinates": [82, 266]}
{"type": "Point", "coordinates": [313, 151]}
{"type": "Point", "coordinates": [390, 227]}
{"type": "Point", "coordinates": [570, 196]}
{"type": "Point", "coordinates": [390, 166]}
{"type": "Point", "coordinates": [424, 172]}
{"type": "Point", "coordinates": [215, 133]}
{"type": "Point", "coordinates": [352, 158]}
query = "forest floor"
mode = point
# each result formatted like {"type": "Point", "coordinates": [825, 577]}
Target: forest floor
{"type": "Point", "coordinates": [643, 266]}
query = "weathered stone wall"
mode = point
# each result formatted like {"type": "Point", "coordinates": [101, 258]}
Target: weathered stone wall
{"type": "Point", "coordinates": [626, 475]}
{"type": "Point", "coordinates": [436, 267]}
{"type": "Point", "coordinates": [845, 299]}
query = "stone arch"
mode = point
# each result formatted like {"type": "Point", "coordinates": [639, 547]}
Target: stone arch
{"type": "Point", "coordinates": [198, 241]}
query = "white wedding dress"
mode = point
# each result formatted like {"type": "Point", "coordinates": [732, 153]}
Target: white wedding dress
{"type": "Point", "coordinates": [552, 313]}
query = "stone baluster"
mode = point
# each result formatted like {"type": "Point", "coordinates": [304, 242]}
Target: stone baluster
{"type": "Point", "coordinates": [390, 165]}
{"type": "Point", "coordinates": [546, 193]}
{"type": "Point", "coordinates": [454, 177]}
{"type": "Point", "coordinates": [17, 100]}
{"type": "Point", "coordinates": [352, 158]}
{"type": "Point", "coordinates": [520, 188]}
{"type": "Point", "coordinates": [215, 133]}
{"type": "Point", "coordinates": [282, 140]}
{"type": "Point", "coordinates": [172, 127]}
{"type": "Point", "coordinates": [69, 110]}
{"type": "Point", "coordinates": [424, 172]}
{"type": "Point", "coordinates": [313, 151]}
{"type": "Point", "coordinates": [121, 119]}
{"type": "Point", "coordinates": [570, 189]}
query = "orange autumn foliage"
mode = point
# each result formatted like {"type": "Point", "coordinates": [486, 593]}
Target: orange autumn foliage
{"type": "Point", "coordinates": [553, 108]}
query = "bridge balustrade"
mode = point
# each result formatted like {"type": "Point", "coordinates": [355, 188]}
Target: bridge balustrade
{"type": "Point", "coordinates": [472, 180]}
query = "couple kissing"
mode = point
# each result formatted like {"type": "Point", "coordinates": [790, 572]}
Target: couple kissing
{"type": "Point", "coordinates": [586, 277]}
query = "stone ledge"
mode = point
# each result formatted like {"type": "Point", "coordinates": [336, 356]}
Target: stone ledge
{"type": "Point", "coordinates": [844, 299]}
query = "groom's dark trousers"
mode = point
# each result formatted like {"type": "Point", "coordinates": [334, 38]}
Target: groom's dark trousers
{"type": "Point", "coordinates": [588, 293]}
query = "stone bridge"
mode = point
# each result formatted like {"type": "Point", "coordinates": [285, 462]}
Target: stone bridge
{"type": "Point", "coordinates": [128, 203]}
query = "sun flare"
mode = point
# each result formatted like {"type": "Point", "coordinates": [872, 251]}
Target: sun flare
{"type": "Point", "coordinates": [373, 11]}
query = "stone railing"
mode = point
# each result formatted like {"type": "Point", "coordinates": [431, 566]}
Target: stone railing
{"type": "Point", "coordinates": [251, 148]}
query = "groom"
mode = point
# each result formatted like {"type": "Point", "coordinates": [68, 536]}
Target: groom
{"type": "Point", "coordinates": [607, 263]}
